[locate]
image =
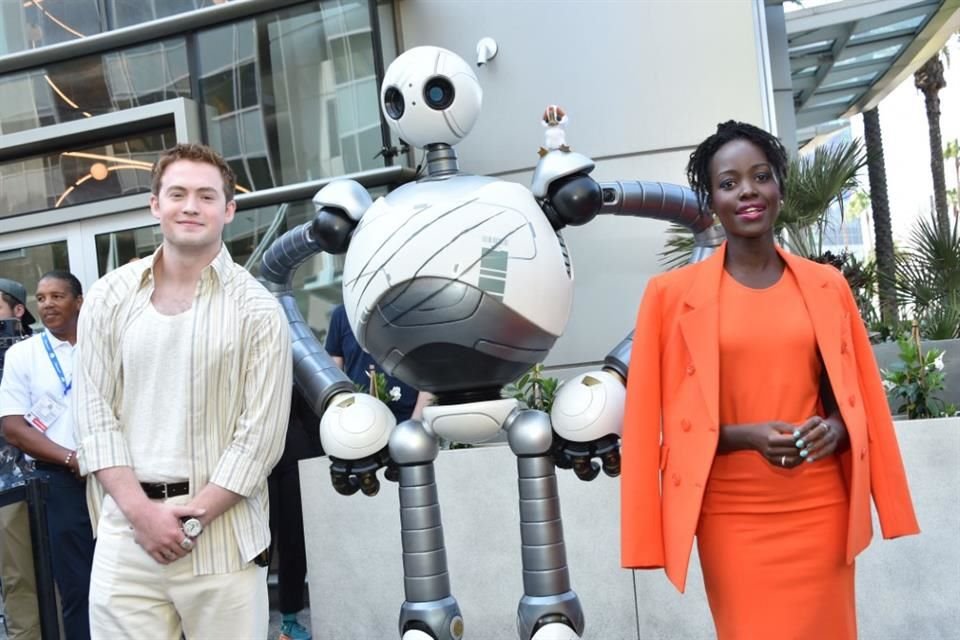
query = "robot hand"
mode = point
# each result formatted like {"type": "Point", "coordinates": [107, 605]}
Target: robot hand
{"type": "Point", "coordinates": [587, 417]}
{"type": "Point", "coordinates": [354, 431]}
{"type": "Point", "coordinates": [339, 207]}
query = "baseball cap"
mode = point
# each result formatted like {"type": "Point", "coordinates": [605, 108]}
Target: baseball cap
{"type": "Point", "coordinates": [19, 293]}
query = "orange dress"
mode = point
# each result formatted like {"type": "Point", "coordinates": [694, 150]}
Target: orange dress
{"type": "Point", "coordinates": [771, 540]}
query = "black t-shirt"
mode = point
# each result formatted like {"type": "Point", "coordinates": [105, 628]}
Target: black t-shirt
{"type": "Point", "coordinates": [356, 362]}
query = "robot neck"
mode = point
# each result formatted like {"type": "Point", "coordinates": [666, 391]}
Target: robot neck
{"type": "Point", "coordinates": [441, 160]}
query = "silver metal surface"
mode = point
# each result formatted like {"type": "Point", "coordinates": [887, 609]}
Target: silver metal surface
{"type": "Point", "coordinates": [441, 161]}
{"type": "Point", "coordinates": [529, 433]}
{"type": "Point", "coordinates": [619, 358]}
{"type": "Point", "coordinates": [556, 165]}
{"type": "Point", "coordinates": [441, 616]}
{"type": "Point", "coordinates": [657, 200]}
{"type": "Point", "coordinates": [411, 443]}
{"type": "Point", "coordinates": [543, 551]}
{"type": "Point", "coordinates": [424, 555]}
{"type": "Point", "coordinates": [532, 609]}
{"type": "Point", "coordinates": [385, 176]}
{"type": "Point", "coordinates": [317, 377]}
{"type": "Point", "coordinates": [347, 195]}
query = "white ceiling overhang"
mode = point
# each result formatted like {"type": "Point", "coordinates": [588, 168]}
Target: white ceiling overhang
{"type": "Point", "coordinates": [846, 56]}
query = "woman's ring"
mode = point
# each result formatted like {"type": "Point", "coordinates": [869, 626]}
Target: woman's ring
{"type": "Point", "coordinates": [783, 461]}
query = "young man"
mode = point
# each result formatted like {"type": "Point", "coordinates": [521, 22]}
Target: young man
{"type": "Point", "coordinates": [35, 405]}
{"type": "Point", "coordinates": [183, 392]}
{"type": "Point", "coordinates": [17, 575]}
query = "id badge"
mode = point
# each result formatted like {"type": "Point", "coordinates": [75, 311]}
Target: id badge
{"type": "Point", "coordinates": [45, 412]}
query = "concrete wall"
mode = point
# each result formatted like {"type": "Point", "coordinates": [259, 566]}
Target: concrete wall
{"type": "Point", "coordinates": [643, 83]}
{"type": "Point", "coordinates": [906, 588]}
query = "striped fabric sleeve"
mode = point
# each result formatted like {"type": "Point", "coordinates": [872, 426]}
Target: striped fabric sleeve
{"type": "Point", "coordinates": [260, 431]}
{"type": "Point", "coordinates": [100, 440]}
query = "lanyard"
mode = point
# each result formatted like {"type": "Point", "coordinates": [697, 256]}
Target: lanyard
{"type": "Point", "coordinates": [56, 364]}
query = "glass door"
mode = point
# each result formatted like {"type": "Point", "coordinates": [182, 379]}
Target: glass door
{"type": "Point", "coordinates": [88, 249]}
{"type": "Point", "coordinates": [113, 241]}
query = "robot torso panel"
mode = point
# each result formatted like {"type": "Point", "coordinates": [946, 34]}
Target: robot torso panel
{"type": "Point", "coordinates": [457, 284]}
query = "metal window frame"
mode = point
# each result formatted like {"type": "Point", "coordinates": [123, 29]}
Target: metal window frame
{"type": "Point", "coordinates": [159, 29]}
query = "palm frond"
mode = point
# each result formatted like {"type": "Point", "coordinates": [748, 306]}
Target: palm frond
{"type": "Point", "coordinates": [678, 247]}
{"type": "Point", "coordinates": [928, 271]}
{"type": "Point", "coordinates": [819, 180]}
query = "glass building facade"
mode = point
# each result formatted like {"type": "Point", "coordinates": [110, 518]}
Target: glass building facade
{"type": "Point", "coordinates": [286, 91]}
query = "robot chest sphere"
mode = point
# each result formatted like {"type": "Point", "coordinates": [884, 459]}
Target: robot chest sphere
{"type": "Point", "coordinates": [469, 261]}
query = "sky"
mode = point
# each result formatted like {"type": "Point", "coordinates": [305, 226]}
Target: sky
{"type": "Point", "coordinates": [906, 145]}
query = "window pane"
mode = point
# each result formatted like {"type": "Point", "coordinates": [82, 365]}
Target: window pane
{"type": "Point", "coordinates": [73, 176]}
{"type": "Point", "coordinates": [93, 85]}
{"type": "Point", "coordinates": [117, 248]}
{"type": "Point", "coordinates": [299, 66]}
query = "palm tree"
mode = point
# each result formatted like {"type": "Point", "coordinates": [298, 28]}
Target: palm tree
{"type": "Point", "coordinates": [929, 79]}
{"type": "Point", "coordinates": [882, 227]}
{"type": "Point", "coordinates": [928, 277]}
{"type": "Point", "coordinates": [952, 152]}
{"type": "Point", "coordinates": [813, 184]}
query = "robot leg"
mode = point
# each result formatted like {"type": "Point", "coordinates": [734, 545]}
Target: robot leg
{"type": "Point", "coordinates": [549, 609]}
{"type": "Point", "coordinates": [429, 611]}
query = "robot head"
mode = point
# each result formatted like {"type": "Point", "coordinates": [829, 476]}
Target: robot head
{"type": "Point", "coordinates": [430, 95]}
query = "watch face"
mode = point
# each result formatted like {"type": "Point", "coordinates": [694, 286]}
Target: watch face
{"type": "Point", "coordinates": [192, 527]}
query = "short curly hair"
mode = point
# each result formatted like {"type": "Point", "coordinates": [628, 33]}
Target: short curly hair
{"type": "Point", "coordinates": [196, 153]}
{"type": "Point", "coordinates": [698, 168]}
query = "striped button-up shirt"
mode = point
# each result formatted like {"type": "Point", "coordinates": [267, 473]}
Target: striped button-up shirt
{"type": "Point", "coordinates": [239, 404]}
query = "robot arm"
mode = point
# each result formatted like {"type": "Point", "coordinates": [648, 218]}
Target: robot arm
{"type": "Point", "coordinates": [587, 413]}
{"type": "Point", "coordinates": [354, 427]}
{"type": "Point", "coordinates": [667, 202]}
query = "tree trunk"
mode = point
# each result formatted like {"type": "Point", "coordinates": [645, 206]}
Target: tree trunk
{"type": "Point", "coordinates": [883, 230]}
{"type": "Point", "coordinates": [930, 80]}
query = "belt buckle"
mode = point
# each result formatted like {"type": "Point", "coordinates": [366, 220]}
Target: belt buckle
{"type": "Point", "coordinates": [163, 486]}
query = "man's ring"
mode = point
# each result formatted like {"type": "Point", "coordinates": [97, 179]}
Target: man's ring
{"type": "Point", "coordinates": [186, 544]}
{"type": "Point", "coordinates": [783, 461]}
{"type": "Point", "coordinates": [826, 427]}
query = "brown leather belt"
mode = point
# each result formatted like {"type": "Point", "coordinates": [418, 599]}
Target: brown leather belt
{"type": "Point", "coordinates": [161, 490]}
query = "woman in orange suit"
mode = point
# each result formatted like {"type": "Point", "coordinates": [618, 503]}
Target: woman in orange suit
{"type": "Point", "coordinates": [756, 419]}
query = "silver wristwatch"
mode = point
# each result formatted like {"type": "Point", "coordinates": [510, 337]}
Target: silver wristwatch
{"type": "Point", "coordinates": [192, 527]}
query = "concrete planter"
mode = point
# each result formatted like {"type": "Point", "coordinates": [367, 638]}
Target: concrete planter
{"type": "Point", "coordinates": [906, 588]}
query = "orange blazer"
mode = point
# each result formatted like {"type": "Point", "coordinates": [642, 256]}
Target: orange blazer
{"type": "Point", "coordinates": [670, 426]}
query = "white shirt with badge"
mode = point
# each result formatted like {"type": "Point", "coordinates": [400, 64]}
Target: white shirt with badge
{"type": "Point", "coordinates": [31, 387]}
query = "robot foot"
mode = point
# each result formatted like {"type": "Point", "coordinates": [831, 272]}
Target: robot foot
{"type": "Point", "coordinates": [554, 631]}
{"type": "Point", "coordinates": [558, 617]}
{"type": "Point", "coordinates": [436, 620]}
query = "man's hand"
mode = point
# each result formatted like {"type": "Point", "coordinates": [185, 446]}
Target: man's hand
{"type": "Point", "coordinates": [156, 528]}
{"type": "Point", "coordinates": [156, 525]}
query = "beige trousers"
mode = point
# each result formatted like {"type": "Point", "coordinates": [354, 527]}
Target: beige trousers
{"type": "Point", "coordinates": [17, 574]}
{"type": "Point", "coordinates": [132, 596]}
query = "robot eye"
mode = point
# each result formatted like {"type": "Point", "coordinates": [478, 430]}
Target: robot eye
{"type": "Point", "coordinates": [393, 103]}
{"type": "Point", "coordinates": [438, 93]}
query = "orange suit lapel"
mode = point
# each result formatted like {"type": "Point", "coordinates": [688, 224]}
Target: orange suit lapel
{"type": "Point", "coordinates": [700, 326]}
{"type": "Point", "coordinates": [826, 314]}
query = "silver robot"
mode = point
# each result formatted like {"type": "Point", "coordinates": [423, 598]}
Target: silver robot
{"type": "Point", "coordinates": [457, 284]}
